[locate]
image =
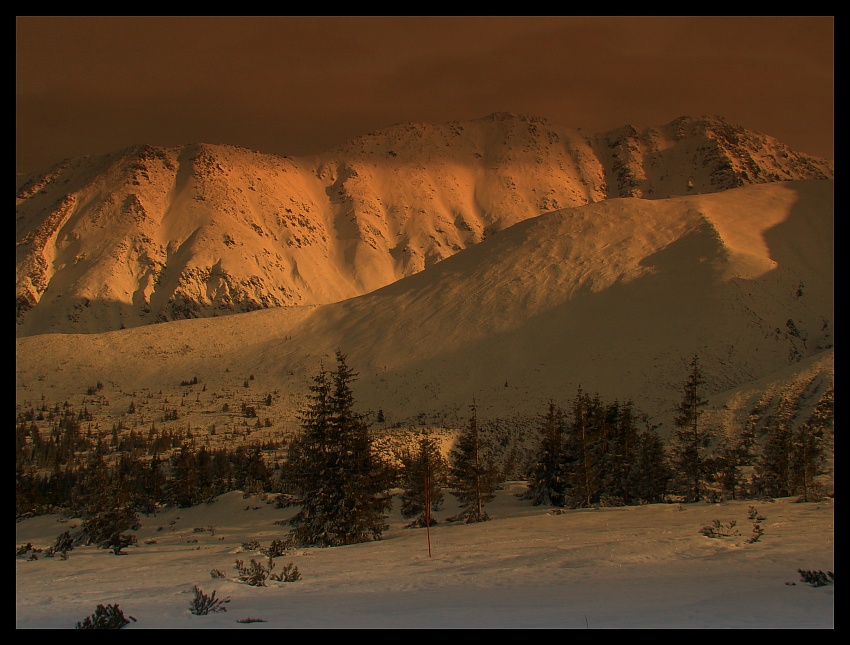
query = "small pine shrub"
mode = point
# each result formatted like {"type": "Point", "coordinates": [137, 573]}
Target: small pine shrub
{"type": "Point", "coordinates": [290, 573]}
{"type": "Point", "coordinates": [719, 530]}
{"type": "Point", "coordinates": [753, 514]}
{"type": "Point", "coordinates": [215, 573]}
{"type": "Point", "coordinates": [106, 617]}
{"type": "Point", "coordinates": [816, 578]}
{"type": "Point", "coordinates": [202, 604]}
{"type": "Point", "coordinates": [24, 549]}
{"type": "Point", "coordinates": [277, 548]}
{"type": "Point", "coordinates": [119, 541]}
{"type": "Point", "coordinates": [758, 531]}
{"type": "Point", "coordinates": [254, 574]}
{"type": "Point", "coordinates": [64, 543]}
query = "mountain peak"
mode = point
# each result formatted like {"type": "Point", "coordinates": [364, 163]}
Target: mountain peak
{"type": "Point", "coordinates": [153, 234]}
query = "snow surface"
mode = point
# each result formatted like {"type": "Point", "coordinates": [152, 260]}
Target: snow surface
{"type": "Point", "coordinates": [528, 567]}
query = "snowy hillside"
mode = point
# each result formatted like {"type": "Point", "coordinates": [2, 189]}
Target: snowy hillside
{"type": "Point", "coordinates": [614, 297]}
{"type": "Point", "coordinates": [157, 234]}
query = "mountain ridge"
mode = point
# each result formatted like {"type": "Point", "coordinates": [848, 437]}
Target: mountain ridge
{"type": "Point", "coordinates": [614, 297]}
{"type": "Point", "coordinates": [153, 234]}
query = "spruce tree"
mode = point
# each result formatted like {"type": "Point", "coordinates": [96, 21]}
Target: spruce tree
{"type": "Point", "coordinates": [691, 438]}
{"type": "Point", "coordinates": [772, 472]}
{"type": "Point", "coordinates": [585, 447]}
{"type": "Point", "coordinates": [790, 462]}
{"type": "Point", "coordinates": [107, 508]}
{"type": "Point", "coordinates": [424, 475]}
{"type": "Point", "coordinates": [807, 461]}
{"type": "Point", "coordinates": [651, 474]}
{"type": "Point", "coordinates": [618, 459]}
{"type": "Point", "coordinates": [725, 466]}
{"type": "Point", "coordinates": [473, 477]}
{"type": "Point", "coordinates": [182, 488]}
{"type": "Point", "coordinates": [547, 481]}
{"type": "Point", "coordinates": [341, 486]}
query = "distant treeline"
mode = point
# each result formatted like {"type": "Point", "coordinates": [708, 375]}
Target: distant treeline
{"type": "Point", "coordinates": [592, 454]}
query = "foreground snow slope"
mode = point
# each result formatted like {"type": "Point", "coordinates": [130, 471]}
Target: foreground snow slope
{"type": "Point", "coordinates": [632, 567]}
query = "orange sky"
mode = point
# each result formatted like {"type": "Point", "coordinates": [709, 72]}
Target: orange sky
{"type": "Point", "coordinates": [296, 85]}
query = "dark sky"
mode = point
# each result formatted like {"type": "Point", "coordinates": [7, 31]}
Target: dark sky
{"type": "Point", "coordinates": [298, 85]}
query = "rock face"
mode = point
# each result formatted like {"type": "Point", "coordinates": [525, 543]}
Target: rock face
{"type": "Point", "coordinates": [158, 234]}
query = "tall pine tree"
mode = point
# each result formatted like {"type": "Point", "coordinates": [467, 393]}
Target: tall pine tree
{"type": "Point", "coordinates": [585, 446]}
{"type": "Point", "coordinates": [341, 486]}
{"type": "Point", "coordinates": [808, 461]}
{"type": "Point", "coordinates": [691, 438]}
{"type": "Point", "coordinates": [651, 474]}
{"type": "Point", "coordinates": [547, 481]}
{"type": "Point", "coordinates": [618, 459]}
{"type": "Point", "coordinates": [473, 477]}
{"type": "Point", "coordinates": [790, 462]}
{"type": "Point", "coordinates": [424, 475]}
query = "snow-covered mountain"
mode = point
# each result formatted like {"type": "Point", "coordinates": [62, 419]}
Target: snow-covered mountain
{"type": "Point", "coordinates": [614, 297]}
{"type": "Point", "coordinates": [506, 262]}
{"type": "Point", "coordinates": [160, 234]}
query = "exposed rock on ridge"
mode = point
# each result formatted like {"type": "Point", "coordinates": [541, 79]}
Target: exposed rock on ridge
{"type": "Point", "coordinates": [157, 234]}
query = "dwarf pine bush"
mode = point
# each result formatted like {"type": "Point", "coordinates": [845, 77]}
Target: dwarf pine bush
{"type": "Point", "coordinates": [106, 617]}
{"type": "Point", "coordinates": [255, 574]}
{"type": "Point", "coordinates": [816, 578]}
{"type": "Point", "coordinates": [203, 604]}
{"type": "Point", "coordinates": [719, 530]}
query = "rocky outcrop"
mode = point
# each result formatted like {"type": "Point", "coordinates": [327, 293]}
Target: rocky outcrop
{"type": "Point", "coordinates": [153, 234]}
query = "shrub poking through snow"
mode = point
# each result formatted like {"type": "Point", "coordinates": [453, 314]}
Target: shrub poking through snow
{"type": "Point", "coordinates": [106, 617]}
{"type": "Point", "coordinates": [290, 573]}
{"type": "Point", "coordinates": [758, 531]}
{"type": "Point", "coordinates": [816, 578]}
{"type": "Point", "coordinates": [753, 514]}
{"type": "Point", "coordinates": [203, 604]}
{"type": "Point", "coordinates": [277, 548]}
{"type": "Point", "coordinates": [719, 530]}
{"type": "Point", "coordinates": [255, 574]}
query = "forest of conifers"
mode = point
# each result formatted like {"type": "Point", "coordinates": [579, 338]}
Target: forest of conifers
{"type": "Point", "coordinates": [591, 454]}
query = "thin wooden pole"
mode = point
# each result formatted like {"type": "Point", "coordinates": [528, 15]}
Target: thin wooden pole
{"type": "Point", "coordinates": [428, 503]}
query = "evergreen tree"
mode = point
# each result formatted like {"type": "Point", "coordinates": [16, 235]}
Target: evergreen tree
{"type": "Point", "coordinates": [154, 478]}
{"type": "Point", "coordinates": [691, 438]}
{"type": "Point", "coordinates": [250, 470]}
{"type": "Point", "coordinates": [182, 488]}
{"type": "Point", "coordinates": [807, 461]}
{"type": "Point", "coordinates": [790, 462]}
{"type": "Point", "coordinates": [424, 475]}
{"type": "Point", "coordinates": [772, 472]}
{"type": "Point", "coordinates": [341, 485]}
{"type": "Point", "coordinates": [473, 477]}
{"type": "Point", "coordinates": [584, 444]}
{"type": "Point", "coordinates": [651, 473]}
{"type": "Point", "coordinates": [620, 455]}
{"type": "Point", "coordinates": [725, 466]}
{"type": "Point", "coordinates": [107, 508]}
{"type": "Point", "coordinates": [547, 481]}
